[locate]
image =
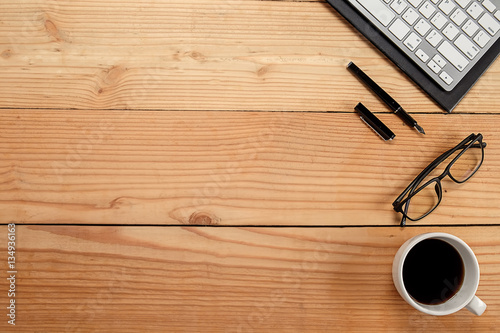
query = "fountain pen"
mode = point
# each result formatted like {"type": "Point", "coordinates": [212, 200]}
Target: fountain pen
{"type": "Point", "coordinates": [385, 97]}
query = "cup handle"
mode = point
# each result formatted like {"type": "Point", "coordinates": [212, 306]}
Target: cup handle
{"type": "Point", "coordinates": [476, 306]}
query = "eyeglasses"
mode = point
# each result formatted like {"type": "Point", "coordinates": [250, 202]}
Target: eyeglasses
{"type": "Point", "coordinates": [425, 192]}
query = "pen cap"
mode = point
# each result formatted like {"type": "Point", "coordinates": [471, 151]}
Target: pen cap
{"type": "Point", "coordinates": [376, 124]}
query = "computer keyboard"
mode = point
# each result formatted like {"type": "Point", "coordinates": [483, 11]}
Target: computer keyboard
{"type": "Point", "coordinates": [445, 38]}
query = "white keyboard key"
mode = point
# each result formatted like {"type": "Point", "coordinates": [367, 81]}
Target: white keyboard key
{"type": "Point", "coordinates": [415, 3]}
{"type": "Point", "coordinates": [434, 38]}
{"type": "Point", "coordinates": [470, 28]}
{"type": "Point", "coordinates": [447, 6]}
{"type": "Point", "coordinates": [458, 17]}
{"type": "Point", "coordinates": [422, 27]}
{"type": "Point", "coordinates": [379, 10]}
{"type": "Point", "coordinates": [413, 41]}
{"type": "Point", "coordinates": [475, 10]}
{"type": "Point", "coordinates": [489, 6]}
{"type": "Point", "coordinates": [497, 15]}
{"type": "Point", "coordinates": [463, 3]}
{"type": "Point", "coordinates": [399, 29]}
{"type": "Point", "coordinates": [410, 16]}
{"type": "Point", "coordinates": [482, 38]}
{"type": "Point", "coordinates": [446, 78]}
{"type": "Point", "coordinates": [398, 6]}
{"type": "Point", "coordinates": [489, 24]}
{"type": "Point", "coordinates": [427, 9]}
{"type": "Point", "coordinates": [451, 31]}
{"type": "Point", "coordinates": [422, 55]}
{"type": "Point", "coordinates": [453, 55]}
{"type": "Point", "coordinates": [467, 47]}
{"type": "Point", "coordinates": [433, 66]}
{"type": "Point", "coordinates": [439, 20]}
{"type": "Point", "coordinates": [439, 60]}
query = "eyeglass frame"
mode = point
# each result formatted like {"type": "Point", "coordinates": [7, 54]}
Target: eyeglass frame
{"type": "Point", "coordinates": [413, 188]}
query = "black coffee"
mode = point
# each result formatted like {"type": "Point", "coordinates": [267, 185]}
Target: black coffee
{"type": "Point", "coordinates": [433, 271]}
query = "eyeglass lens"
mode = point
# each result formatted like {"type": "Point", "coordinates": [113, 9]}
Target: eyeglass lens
{"type": "Point", "coordinates": [467, 164]}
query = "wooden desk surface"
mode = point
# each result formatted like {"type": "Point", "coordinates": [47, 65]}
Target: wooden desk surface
{"type": "Point", "coordinates": [184, 166]}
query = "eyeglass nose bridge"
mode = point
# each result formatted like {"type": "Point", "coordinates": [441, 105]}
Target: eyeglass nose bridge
{"type": "Point", "coordinates": [439, 190]}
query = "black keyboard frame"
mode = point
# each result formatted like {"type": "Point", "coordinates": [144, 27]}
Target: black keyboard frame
{"type": "Point", "coordinates": [447, 100]}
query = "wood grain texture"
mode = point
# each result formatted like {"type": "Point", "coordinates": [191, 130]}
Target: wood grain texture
{"type": "Point", "coordinates": [123, 124]}
{"type": "Point", "coordinates": [172, 279]}
{"type": "Point", "coordinates": [197, 55]}
{"type": "Point", "coordinates": [231, 168]}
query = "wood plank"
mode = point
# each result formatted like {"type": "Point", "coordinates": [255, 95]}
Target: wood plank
{"type": "Point", "coordinates": [173, 279]}
{"type": "Point", "coordinates": [197, 55]}
{"type": "Point", "coordinates": [231, 168]}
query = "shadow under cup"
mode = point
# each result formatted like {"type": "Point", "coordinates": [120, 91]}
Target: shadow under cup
{"type": "Point", "coordinates": [463, 297]}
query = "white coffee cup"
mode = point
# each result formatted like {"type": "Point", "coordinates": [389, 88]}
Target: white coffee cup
{"type": "Point", "coordinates": [464, 297]}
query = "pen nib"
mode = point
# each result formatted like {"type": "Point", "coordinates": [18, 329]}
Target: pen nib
{"type": "Point", "coordinates": [419, 128]}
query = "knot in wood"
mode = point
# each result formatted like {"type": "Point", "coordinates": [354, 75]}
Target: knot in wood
{"type": "Point", "coordinates": [202, 218]}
